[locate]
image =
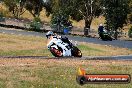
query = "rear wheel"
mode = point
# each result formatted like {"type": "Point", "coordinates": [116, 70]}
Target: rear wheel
{"type": "Point", "coordinates": [56, 52]}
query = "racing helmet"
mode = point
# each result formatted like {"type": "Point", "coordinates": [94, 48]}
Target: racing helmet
{"type": "Point", "coordinates": [49, 33]}
{"type": "Point", "coordinates": [100, 24]}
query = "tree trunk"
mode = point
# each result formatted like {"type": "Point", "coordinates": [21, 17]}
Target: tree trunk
{"type": "Point", "coordinates": [32, 14]}
{"type": "Point", "coordinates": [58, 27]}
{"type": "Point", "coordinates": [87, 27]}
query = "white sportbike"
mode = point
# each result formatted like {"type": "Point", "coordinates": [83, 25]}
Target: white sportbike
{"type": "Point", "coordinates": [62, 47]}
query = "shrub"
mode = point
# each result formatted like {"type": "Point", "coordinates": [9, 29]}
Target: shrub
{"type": "Point", "coordinates": [60, 20]}
{"type": "Point", "coordinates": [36, 24]}
{"type": "Point", "coordinates": [130, 32]}
{"type": "Point", "coordinates": [37, 19]}
{"type": "Point", "coordinates": [1, 17]}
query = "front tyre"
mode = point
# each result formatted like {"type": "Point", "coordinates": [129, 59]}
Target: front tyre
{"type": "Point", "coordinates": [76, 52]}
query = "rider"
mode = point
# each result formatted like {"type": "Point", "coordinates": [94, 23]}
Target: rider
{"type": "Point", "coordinates": [50, 34]}
{"type": "Point", "coordinates": [54, 35]}
{"type": "Point", "coordinates": [100, 30]}
{"type": "Point", "coordinates": [52, 38]}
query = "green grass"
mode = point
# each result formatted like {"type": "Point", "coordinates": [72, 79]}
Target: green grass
{"type": "Point", "coordinates": [90, 51]}
{"type": "Point", "coordinates": [39, 52]}
{"type": "Point", "coordinates": [14, 45]}
{"type": "Point", "coordinates": [84, 48]}
{"type": "Point", "coordinates": [58, 73]}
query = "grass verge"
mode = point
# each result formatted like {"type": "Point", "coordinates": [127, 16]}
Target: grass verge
{"type": "Point", "coordinates": [90, 49]}
{"type": "Point", "coordinates": [18, 45]}
{"type": "Point", "coordinates": [57, 73]}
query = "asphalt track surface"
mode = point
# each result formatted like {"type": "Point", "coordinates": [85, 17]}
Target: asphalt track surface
{"type": "Point", "coordinates": [121, 57]}
{"type": "Point", "coordinates": [116, 43]}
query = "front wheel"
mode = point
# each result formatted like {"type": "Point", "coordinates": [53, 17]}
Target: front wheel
{"type": "Point", "coordinates": [76, 52]}
{"type": "Point", "coordinates": [56, 52]}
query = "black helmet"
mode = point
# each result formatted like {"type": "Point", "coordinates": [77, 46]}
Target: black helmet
{"type": "Point", "coordinates": [49, 33]}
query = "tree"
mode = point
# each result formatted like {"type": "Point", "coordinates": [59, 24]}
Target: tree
{"type": "Point", "coordinates": [116, 14]}
{"type": "Point", "coordinates": [15, 7]}
{"type": "Point", "coordinates": [77, 9]}
{"type": "Point", "coordinates": [48, 4]}
{"type": "Point", "coordinates": [60, 12]}
{"type": "Point", "coordinates": [86, 10]}
{"type": "Point", "coordinates": [33, 6]}
{"type": "Point", "coordinates": [130, 14]}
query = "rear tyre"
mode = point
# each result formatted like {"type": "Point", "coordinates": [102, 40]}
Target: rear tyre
{"type": "Point", "coordinates": [56, 52]}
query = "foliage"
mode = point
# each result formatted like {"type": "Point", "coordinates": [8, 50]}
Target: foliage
{"type": "Point", "coordinates": [33, 6]}
{"type": "Point", "coordinates": [37, 19]}
{"type": "Point", "coordinates": [60, 19]}
{"type": "Point", "coordinates": [60, 15]}
{"type": "Point", "coordinates": [36, 24]}
{"type": "Point", "coordinates": [86, 9]}
{"type": "Point", "coordinates": [15, 7]}
{"type": "Point", "coordinates": [116, 14]}
{"type": "Point", "coordinates": [130, 17]}
{"type": "Point", "coordinates": [130, 32]}
{"type": "Point", "coordinates": [130, 14]}
{"type": "Point", "coordinates": [76, 9]}
{"type": "Point", "coordinates": [48, 4]}
{"type": "Point", "coordinates": [1, 17]}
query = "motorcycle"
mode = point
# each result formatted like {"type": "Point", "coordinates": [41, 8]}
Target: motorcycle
{"type": "Point", "coordinates": [105, 35]}
{"type": "Point", "coordinates": [63, 47]}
